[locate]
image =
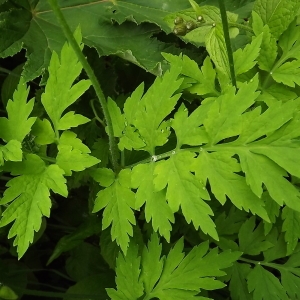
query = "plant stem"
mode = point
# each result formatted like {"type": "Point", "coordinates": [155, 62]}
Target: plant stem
{"type": "Point", "coordinates": [227, 40]}
{"type": "Point", "coordinates": [89, 71]}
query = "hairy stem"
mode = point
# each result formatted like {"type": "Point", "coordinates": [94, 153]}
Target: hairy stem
{"type": "Point", "coordinates": [89, 71]}
{"type": "Point", "coordinates": [227, 40]}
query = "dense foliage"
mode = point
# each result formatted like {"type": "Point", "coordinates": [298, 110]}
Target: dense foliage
{"type": "Point", "coordinates": [182, 181]}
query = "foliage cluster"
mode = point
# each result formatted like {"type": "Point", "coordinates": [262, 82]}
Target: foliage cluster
{"type": "Point", "coordinates": [182, 181]}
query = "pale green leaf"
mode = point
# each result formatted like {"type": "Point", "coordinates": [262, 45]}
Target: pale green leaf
{"type": "Point", "coordinates": [288, 73]}
{"type": "Point", "coordinates": [184, 190]}
{"type": "Point", "coordinates": [43, 131]}
{"type": "Point", "coordinates": [73, 155]}
{"type": "Point", "coordinates": [70, 119]}
{"type": "Point", "coordinates": [12, 151]}
{"type": "Point", "coordinates": [104, 176]}
{"type": "Point", "coordinates": [156, 206]}
{"type": "Point", "coordinates": [70, 159]}
{"type": "Point", "coordinates": [30, 193]}
{"type": "Point", "coordinates": [264, 285]}
{"type": "Point", "coordinates": [291, 227]}
{"type": "Point", "coordinates": [118, 202]}
{"type": "Point", "coordinates": [60, 91]}
{"type": "Point", "coordinates": [245, 59]}
{"type": "Point", "coordinates": [18, 124]}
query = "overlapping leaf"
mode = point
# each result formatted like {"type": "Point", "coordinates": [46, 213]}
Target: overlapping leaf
{"type": "Point", "coordinates": [118, 202]}
{"type": "Point", "coordinates": [30, 193]}
{"type": "Point", "coordinates": [60, 91]}
{"type": "Point", "coordinates": [18, 124]}
{"type": "Point", "coordinates": [177, 276]}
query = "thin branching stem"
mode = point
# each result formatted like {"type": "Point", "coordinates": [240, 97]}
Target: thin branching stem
{"type": "Point", "coordinates": [89, 71]}
{"type": "Point", "coordinates": [227, 40]}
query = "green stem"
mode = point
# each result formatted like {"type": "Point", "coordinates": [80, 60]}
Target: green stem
{"type": "Point", "coordinates": [89, 71]}
{"type": "Point", "coordinates": [227, 40]}
{"type": "Point", "coordinates": [95, 113]}
{"type": "Point", "coordinates": [241, 26]}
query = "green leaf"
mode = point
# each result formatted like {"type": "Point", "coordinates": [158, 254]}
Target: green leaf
{"type": "Point", "coordinates": [129, 286]}
{"type": "Point", "coordinates": [70, 119]}
{"type": "Point", "coordinates": [291, 227]}
{"type": "Point", "coordinates": [277, 14]}
{"type": "Point", "coordinates": [288, 73]}
{"type": "Point", "coordinates": [117, 117]}
{"type": "Point", "coordinates": [60, 92]}
{"type": "Point", "coordinates": [18, 124]}
{"type": "Point", "coordinates": [30, 193]}
{"type": "Point", "coordinates": [7, 293]}
{"type": "Point", "coordinates": [73, 154]}
{"type": "Point", "coordinates": [290, 275]}
{"type": "Point", "coordinates": [220, 169]}
{"type": "Point", "coordinates": [104, 176]}
{"type": "Point", "coordinates": [264, 285]}
{"type": "Point", "coordinates": [154, 106]}
{"type": "Point", "coordinates": [204, 78]}
{"type": "Point", "coordinates": [289, 42]}
{"type": "Point", "coordinates": [268, 51]}
{"type": "Point", "coordinates": [118, 201]}
{"type": "Point", "coordinates": [88, 228]}
{"type": "Point", "coordinates": [43, 132]}
{"type": "Point", "coordinates": [252, 239]}
{"type": "Point", "coordinates": [187, 127]}
{"type": "Point", "coordinates": [156, 206]}
{"type": "Point", "coordinates": [178, 276]}
{"type": "Point", "coordinates": [238, 284]}
{"type": "Point", "coordinates": [216, 47]}
{"type": "Point", "coordinates": [12, 151]}
{"type": "Point", "coordinates": [184, 190]}
{"type": "Point", "coordinates": [245, 59]}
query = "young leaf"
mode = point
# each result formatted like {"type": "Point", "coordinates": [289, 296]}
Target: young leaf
{"type": "Point", "coordinates": [43, 132]}
{"type": "Point", "coordinates": [264, 285]}
{"type": "Point", "coordinates": [30, 195]}
{"type": "Point", "coordinates": [18, 124]}
{"type": "Point", "coordinates": [156, 206]}
{"type": "Point", "coordinates": [12, 151]}
{"type": "Point", "coordinates": [185, 191]}
{"type": "Point", "coordinates": [118, 201]}
{"type": "Point", "coordinates": [60, 92]}
{"type": "Point", "coordinates": [73, 154]}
